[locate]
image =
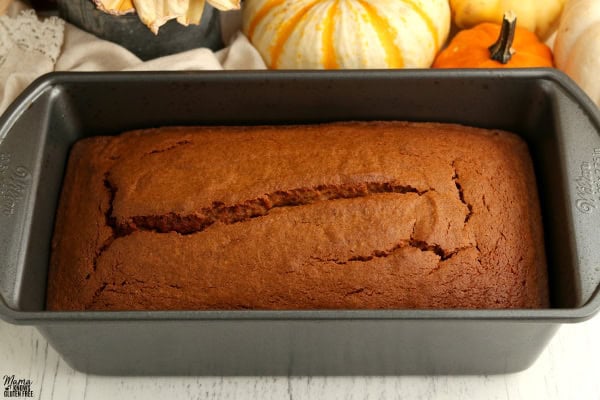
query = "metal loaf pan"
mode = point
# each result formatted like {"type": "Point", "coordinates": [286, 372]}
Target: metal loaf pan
{"type": "Point", "coordinates": [559, 123]}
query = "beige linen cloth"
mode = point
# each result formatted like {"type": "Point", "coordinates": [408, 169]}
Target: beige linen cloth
{"type": "Point", "coordinates": [31, 47]}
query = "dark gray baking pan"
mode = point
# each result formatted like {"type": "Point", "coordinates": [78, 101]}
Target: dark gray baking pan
{"type": "Point", "coordinates": [559, 123]}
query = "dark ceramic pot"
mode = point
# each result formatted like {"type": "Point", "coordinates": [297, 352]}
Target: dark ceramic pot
{"type": "Point", "coordinates": [129, 32]}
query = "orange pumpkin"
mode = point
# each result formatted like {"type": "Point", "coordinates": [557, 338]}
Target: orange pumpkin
{"type": "Point", "coordinates": [490, 45]}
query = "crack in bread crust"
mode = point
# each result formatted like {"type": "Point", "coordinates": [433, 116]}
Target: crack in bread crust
{"type": "Point", "coordinates": [423, 246]}
{"type": "Point", "coordinates": [461, 194]}
{"type": "Point", "coordinates": [174, 146]}
{"type": "Point", "coordinates": [249, 209]}
{"type": "Point", "coordinates": [109, 221]}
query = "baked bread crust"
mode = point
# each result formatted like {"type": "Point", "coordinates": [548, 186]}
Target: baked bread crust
{"type": "Point", "coordinates": [355, 215]}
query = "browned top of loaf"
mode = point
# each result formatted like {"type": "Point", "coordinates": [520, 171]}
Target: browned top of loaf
{"type": "Point", "coordinates": [344, 215]}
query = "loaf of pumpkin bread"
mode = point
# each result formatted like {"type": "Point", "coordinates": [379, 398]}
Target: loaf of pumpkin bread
{"type": "Point", "coordinates": [356, 215]}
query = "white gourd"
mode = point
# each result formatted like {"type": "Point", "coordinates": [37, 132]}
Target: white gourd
{"type": "Point", "coordinates": [577, 45]}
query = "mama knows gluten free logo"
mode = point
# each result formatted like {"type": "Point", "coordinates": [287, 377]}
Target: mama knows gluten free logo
{"type": "Point", "coordinates": [14, 387]}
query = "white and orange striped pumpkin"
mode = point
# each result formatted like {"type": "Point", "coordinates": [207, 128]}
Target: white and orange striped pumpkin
{"type": "Point", "coordinates": [332, 34]}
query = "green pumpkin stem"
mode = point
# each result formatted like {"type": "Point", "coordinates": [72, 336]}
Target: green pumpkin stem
{"type": "Point", "coordinates": [502, 50]}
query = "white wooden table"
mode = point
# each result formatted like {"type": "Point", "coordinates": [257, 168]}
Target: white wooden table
{"type": "Point", "coordinates": [568, 369]}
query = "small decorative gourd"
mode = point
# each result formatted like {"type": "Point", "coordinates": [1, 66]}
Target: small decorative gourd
{"type": "Point", "coordinates": [539, 16]}
{"type": "Point", "coordinates": [577, 45]}
{"type": "Point", "coordinates": [490, 45]}
{"type": "Point", "coordinates": [332, 34]}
